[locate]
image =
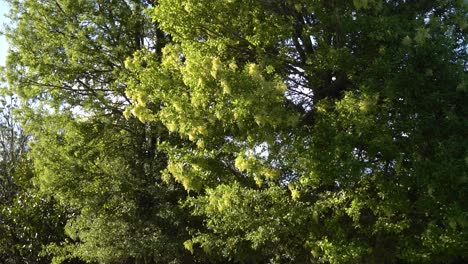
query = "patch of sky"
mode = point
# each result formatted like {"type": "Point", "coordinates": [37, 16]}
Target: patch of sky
{"type": "Point", "coordinates": [3, 21]}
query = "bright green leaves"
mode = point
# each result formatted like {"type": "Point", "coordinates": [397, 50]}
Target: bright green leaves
{"type": "Point", "coordinates": [209, 87]}
{"type": "Point", "coordinates": [257, 167]}
{"type": "Point", "coordinates": [83, 47]}
{"type": "Point", "coordinates": [194, 89]}
{"type": "Point", "coordinates": [216, 23]}
{"type": "Point", "coordinates": [189, 176]}
{"type": "Point", "coordinates": [342, 252]}
{"type": "Point", "coordinates": [249, 131]}
{"type": "Point", "coordinates": [245, 225]}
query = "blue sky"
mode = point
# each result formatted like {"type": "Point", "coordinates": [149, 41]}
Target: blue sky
{"type": "Point", "coordinates": [3, 44]}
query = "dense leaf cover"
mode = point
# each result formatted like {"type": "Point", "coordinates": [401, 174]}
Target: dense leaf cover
{"type": "Point", "coordinates": [240, 131]}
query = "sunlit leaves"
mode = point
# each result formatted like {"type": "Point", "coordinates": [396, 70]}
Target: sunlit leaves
{"type": "Point", "coordinates": [282, 131]}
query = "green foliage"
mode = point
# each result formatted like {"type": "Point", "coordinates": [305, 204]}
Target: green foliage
{"type": "Point", "coordinates": [244, 224]}
{"type": "Point", "coordinates": [28, 220]}
{"type": "Point", "coordinates": [87, 155]}
{"type": "Point", "coordinates": [353, 107]}
{"type": "Point", "coordinates": [248, 131]}
{"type": "Point", "coordinates": [123, 210]}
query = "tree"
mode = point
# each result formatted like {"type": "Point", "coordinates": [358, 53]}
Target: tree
{"type": "Point", "coordinates": [88, 154]}
{"type": "Point", "coordinates": [28, 220]}
{"type": "Point", "coordinates": [329, 130]}
{"type": "Point", "coordinates": [248, 131]}
{"type": "Point", "coordinates": [13, 143]}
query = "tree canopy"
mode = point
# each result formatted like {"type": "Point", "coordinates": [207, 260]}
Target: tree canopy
{"type": "Point", "coordinates": [244, 131]}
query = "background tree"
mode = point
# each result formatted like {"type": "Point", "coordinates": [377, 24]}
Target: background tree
{"type": "Point", "coordinates": [29, 221]}
{"type": "Point", "coordinates": [13, 144]}
{"type": "Point", "coordinates": [102, 166]}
